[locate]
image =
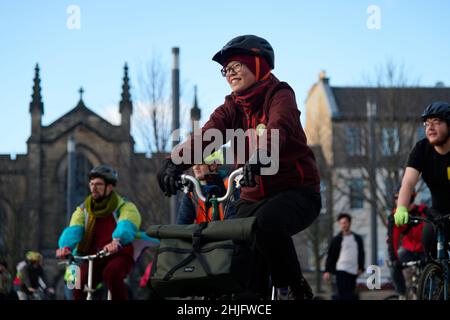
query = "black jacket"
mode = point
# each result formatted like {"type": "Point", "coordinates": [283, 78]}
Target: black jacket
{"type": "Point", "coordinates": [335, 249]}
{"type": "Point", "coordinates": [30, 277]}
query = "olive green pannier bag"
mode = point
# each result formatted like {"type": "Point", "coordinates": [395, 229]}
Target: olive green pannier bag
{"type": "Point", "coordinates": [207, 259]}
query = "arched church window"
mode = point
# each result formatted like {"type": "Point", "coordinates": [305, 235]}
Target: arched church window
{"type": "Point", "coordinates": [80, 190]}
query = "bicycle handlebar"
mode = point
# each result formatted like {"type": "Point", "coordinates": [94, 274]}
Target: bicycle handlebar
{"type": "Point", "coordinates": [185, 178]}
{"type": "Point", "coordinates": [71, 257]}
{"type": "Point", "coordinates": [434, 220]}
{"type": "Point", "coordinates": [411, 263]}
{"type": "Point", "coordinates": [99, 254]}
{"type": "Point", "coordinates": [406, 264]}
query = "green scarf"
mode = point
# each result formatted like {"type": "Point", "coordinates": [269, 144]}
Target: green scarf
{"type": "Point", "coordinates": [96, 210]}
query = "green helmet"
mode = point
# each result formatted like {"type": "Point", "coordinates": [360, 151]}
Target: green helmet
{"type": "Point", "coordinates": [33, 256]}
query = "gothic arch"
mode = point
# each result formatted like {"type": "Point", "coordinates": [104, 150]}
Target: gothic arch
{"type": "Point", "coordinates": [86, 159]}
{"type": "Point", "coordinates": [81, 149]}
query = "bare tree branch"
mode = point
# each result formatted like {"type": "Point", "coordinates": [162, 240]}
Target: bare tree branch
{"type": "Point", "coordinates": [395, 135]}
{"type": "Point", "coordinates": [154, 110]}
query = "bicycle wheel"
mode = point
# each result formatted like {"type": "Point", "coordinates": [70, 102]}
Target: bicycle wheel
{"type": "Point", "coordinates": [431, 283]}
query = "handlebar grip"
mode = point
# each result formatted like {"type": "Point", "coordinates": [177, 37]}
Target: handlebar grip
{"type": "Point", "coordinates": [68, 259]}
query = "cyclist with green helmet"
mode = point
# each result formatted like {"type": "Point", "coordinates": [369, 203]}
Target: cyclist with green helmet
{"type": "Point", "coordinates": [32, 277]}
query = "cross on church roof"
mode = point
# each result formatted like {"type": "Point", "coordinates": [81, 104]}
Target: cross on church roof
{"type": "Point", "coordinates": [81, 93]}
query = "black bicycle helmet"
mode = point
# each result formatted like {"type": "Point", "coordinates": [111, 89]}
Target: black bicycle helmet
{"type": "Point", "coordinates": [247, 44]}
{"type": "Point", "coordinates": [105, 172]}
{"type": "Point", "coordinates": [438, 109]}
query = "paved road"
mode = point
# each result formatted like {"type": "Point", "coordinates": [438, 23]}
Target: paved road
{"type": "Point", "coordinates": [364, 293]}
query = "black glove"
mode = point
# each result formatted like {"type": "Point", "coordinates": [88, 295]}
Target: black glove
{"type": "Point", "coordinates": [168, 177]}
{"type": "Point", "coordinates": [251, 169]}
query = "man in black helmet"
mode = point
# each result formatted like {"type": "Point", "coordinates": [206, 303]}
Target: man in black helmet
{"type": "Point", "coordinates": [285, 202]}
{"type": "Point", "coordinates": [431, 159]}
{"type": "Point", "coordinates": [106, 221]}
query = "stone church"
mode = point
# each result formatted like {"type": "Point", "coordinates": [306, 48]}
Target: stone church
{"type": "Point", "coordinates": [33, 186]}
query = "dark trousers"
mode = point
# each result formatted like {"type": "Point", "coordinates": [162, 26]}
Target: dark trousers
{"type": "Point", "coordinates": [345, 283]}
{"type": "Point", "coordinates": [112, 271]}
{"type": "Point", "coordinates": [278, 218]}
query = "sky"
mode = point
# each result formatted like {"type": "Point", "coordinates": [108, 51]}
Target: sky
{"type": "Point", "coordinates": [347, 39]}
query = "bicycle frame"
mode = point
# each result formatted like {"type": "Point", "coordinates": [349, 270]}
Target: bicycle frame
{"type": "Point", "coordinates": [440, 246]}
{"type": "Point", "coordinates": [90, 258]}
{"type": "Point", "coordinates": [442, 260]}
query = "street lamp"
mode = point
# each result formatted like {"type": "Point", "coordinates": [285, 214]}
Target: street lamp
{"type": "Point", "coordinates": [71, 173]}
{"type": "Point", "coordinates": [175, 116]}
{"type": "Point", "coordinates": [371, 114]}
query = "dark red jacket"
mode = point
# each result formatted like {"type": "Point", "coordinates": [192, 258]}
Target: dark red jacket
{"type": "Point", "coordinates": [273, 104]}
{"type": "Point", "coordinates": [410, 236]}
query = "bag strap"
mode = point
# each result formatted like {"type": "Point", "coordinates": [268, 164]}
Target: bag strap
{"type": "Point", "coordinates": [189, 258]}
{"type": "Point", "coordinates": [197, 236]}
{"type": "Point", "coordinates": [203, 262]}
{"type": "Point", "coordinates": [185, 261]}
{"type": "Point", "coordinates": [195, 253]}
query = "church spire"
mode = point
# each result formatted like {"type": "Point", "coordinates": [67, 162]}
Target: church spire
{"type": "Point", "coordinates": [125, 102]}
{"type": "Point", "coordinates": [125, 105]}
{"type": "Point", "coordinates": [36, 99]}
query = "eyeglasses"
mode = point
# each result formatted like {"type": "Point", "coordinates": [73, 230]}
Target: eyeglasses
{"type": "Point", "coordinates": [235, 68]}
{"type": "Point", "coordinates": [96, 185]}
{"type": "Point", "coordinates": [432, 123]}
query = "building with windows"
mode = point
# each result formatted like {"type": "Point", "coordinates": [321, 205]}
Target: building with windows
{"type": "Point", "coordinates": [353, 126]}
